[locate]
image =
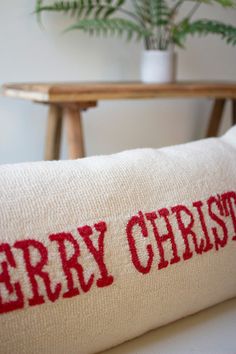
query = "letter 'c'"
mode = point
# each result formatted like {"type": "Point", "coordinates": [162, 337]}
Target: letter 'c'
{"type": "Point", "coordinates": [139, 220]}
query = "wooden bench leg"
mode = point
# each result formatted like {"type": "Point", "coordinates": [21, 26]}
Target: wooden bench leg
{"type": "Point", "coordinates": [73, 119]}
{"type": "Point", "coordinates": [233, 112]}
{"type": "Point", "coordinates": [53, 136]}
{"type": "Point", "coordinates": [216, 116]}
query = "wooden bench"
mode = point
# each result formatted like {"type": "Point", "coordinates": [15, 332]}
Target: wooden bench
{"type": "Point", "coordinates": [68, 100]}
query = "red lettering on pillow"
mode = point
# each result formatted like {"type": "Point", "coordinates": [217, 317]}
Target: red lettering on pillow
{"type": "Point", "coordinates": [98, 254]}
{"type": "Point", "coordinates": [37, 270]}
{"type": "Point", "coordinates": [208, 245]}
{"type": "Point", "coordinates": [219, 240]}
{"type": "Point", "coordinates": [228, 199]}
{"type": "Point", "coordinates": [160, 239]}
{"type": "Point", "coordinates": [13, 289]}
{"type": "Point", "coordinates": [186, 231]}
{"type": "Point", "coordinates": [138, 220]}
{"type": "Point", "coordinates": [71, 263]}
{"type": "Point", "coordinates": [220, 210]}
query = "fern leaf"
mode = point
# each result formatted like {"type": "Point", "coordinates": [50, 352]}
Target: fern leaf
{"type": "Point", "coordinates": [142, 9]}
{"type": "Point", "coordinates": [82, 8]}
{"type": "Point", "coordinates": [112, 26]}
{"type": "Point", "coordinates": [225, 3]}
{"type": "Point", "coordinates": [160, 12]}
{"type": "Point", "coordinates": [153, 12]}
{"type": "Point", "coordinates": [203, 27]}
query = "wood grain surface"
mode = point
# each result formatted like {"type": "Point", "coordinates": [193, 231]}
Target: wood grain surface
{"type": "Point", "coordinates": [93, 91]}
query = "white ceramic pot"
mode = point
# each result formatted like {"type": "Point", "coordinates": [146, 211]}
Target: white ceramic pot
{"type": "Point", "coordinates": [158, 66]}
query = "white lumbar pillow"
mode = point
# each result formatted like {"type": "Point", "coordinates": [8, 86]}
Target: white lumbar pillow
{"type": "Point", "coordinates": [97, 251]}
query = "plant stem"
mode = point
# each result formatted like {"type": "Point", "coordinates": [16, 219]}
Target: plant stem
{"type": "Point", "coordinates": [176, 6]}
{"type": "Point", "coordinates": [128, 13]}
{"type": "Point", "coordinates": [192, 12]}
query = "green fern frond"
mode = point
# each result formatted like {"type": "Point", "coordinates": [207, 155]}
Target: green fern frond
{"type": "Point", "coordinates": [142, 9]}
{"type": "Point", "coordinates": [112, 26]}
{"type": "Point", "coordinates": [82, 8]}
{"type": "Point", "coordinates": [160, 12]}
{"type": "Point", "coordinates": [152, 12]}
{"type": "Point", "coordinates": [152, 20]}
{"type": "Point", "coordinates": [224, 3]}
{"type": "Point", "coordinates": [203, 27]}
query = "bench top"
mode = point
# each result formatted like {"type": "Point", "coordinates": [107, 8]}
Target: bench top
{"type": "Point", "coordinates": [94, 91]}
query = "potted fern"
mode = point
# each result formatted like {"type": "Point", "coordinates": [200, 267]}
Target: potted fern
{"type": "Point", "coordinates": [156, 22]}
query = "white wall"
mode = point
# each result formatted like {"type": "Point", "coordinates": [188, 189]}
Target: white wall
{"type": "Point", "coordinates": [30, 54]}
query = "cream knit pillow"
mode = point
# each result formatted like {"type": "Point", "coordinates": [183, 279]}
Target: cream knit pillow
{"type": "Point", "coordinates": [99, 250]}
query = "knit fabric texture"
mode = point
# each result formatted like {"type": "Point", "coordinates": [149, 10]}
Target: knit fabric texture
{"type": "Point", "coordinates": [96, 251]}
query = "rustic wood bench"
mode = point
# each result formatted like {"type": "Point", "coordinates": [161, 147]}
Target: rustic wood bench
{"type": "Point", "coordinates": [68, 100]}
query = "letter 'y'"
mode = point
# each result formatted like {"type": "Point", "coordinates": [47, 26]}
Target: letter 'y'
{"type": "Point", "coordinates": [98, 253]}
